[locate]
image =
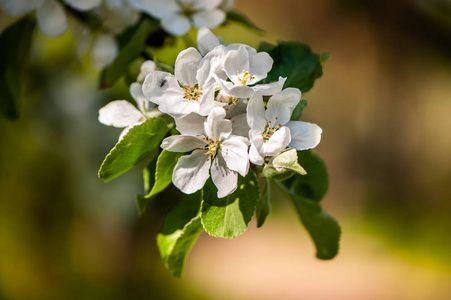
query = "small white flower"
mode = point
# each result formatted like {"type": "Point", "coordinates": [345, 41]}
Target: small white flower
{"type": "Point", "coordinates": [185, 92]}
{"type": "Point", "coordinates": [244, 68]}
{"type": "Point", "coordinates": [123, 114]}
{"type": "Point", "coordinates": [50, 14]}
{"type": "Point", "coordinates": [216, 150]}
{"type": "Point", "coordinates": [271, 129]}
{"type": "Point", "coordinates": [176, 16]}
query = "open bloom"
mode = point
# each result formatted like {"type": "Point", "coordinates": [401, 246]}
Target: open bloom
{"type": "Point", "coordinates": [216, 150]}
{"type": "Point", "coordinates": [176, 16]}
{"type": "Point", "coordinates": [50, 15]}
{"type": "Point", "coordinates": [271, 129]}
{"type": "Point", "coordinates": [125, 115]}
{"type": "Point", "coordinates": [245, 67]}
{"type": "Point", "coordinates": [185, 92]}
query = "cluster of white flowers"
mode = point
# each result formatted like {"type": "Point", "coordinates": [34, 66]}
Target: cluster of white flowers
{"type": "Point", "coordinates": [219, 109]}
{"type": "Point", "coordinates": [176, 17]}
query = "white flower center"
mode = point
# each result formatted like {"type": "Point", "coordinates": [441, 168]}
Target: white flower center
{"type": "Point", "coordinates": [244, 77]}
{"type": "Point", "coordinates": [212, 147]}
{"type": "Point", "coordinates": [269, 130]}
{"type": "Point", "coordinates": [192, 93]}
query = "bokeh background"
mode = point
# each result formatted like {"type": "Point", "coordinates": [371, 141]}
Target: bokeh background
{"type": "Point", "coordinates": [384, 103]}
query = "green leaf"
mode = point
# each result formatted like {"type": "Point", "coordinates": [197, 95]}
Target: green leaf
{"type": "Point", "coordinates": [296, 62]}
{"type": "Point", "coordinates": [299, 110]}
{"type": "Point", "coordinates": [14, 52]}
{"type": "Point", "coordinates": [149, 181]}
{"type": "Point", "coordinates": [325, 56]}
{"type": "Point", "coordinates": [163, 177]}
{"type": "Point", "coordinates": [323, 229]}
{"type": "Point", "coordinates": [180, 230]}
{"type": "Point", "coordinates": [241, 19]}
{"type": "Point", "coordinates": [305, 192]}
{"type": "Point", "coordinates": [135, 146]}
{"type": "Point", "coordinates": [314, 185]}
{"type": "Point", "coordinates": [132, 43]}
{"type": "Point", "coordinates": [283, 166]}
{"type": "Point", "coordinates": [264, 203]}
{"type": "Point", "coordinates": [228, 217]}
{"type": "Point", "coordinates": [149, 171]}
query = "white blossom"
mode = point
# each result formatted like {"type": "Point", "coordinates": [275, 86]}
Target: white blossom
{"type": "Point", "coordinates": [245, 68]}
{"type": "Point", "coordinates": [271, 129]}
{"type": "Point", "coordinates": [177, 16]}
{"type": "Point", "coordinates": [123, 114]}
{"type": "Point", "coordinates": [214, 150]}
{"type": "Point", "coordinates": [185, 92]}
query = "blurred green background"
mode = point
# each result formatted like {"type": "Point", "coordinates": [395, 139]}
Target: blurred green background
{"type": "Point", "coordinates": [384, 103]}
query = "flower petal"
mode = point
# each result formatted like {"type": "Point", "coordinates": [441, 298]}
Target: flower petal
{"type": "Point", "coordinates": [207, 101]}
{"type": "Point", "coordinates": [191, 124]}
{"type": "Point", "coordinates": [256, 113]}
{"type": "Point", "coordinates": [158, 8]}
{"type": "Point", "coordinates": [234, 152]}
{"type": "Point", "coordinates": [270, 89]}
{"type": "Point", "coordinates": [176, 24]}
{"type": "Point", "coordinates": [159, 85]}
{"type": "Point", "coordinates": [256, 144]}
{"type": "Point", "coordinates": [212, 63]}
{"type": "Point", "coordinates": [119, 113]}
{"type": "Point", "coordinates": [238, 108]}
{"type": "Point", "coordinates": [225, 179]}
{"type": "Point", "coordinates": [280, 106]}
{"type": "Point", "coordinates": [206, 40]}
{"type": "Point", "coordinates": [136, 91]}
{"type": "Point", "coordinates": [304, 135]}
{"type": "Point", "coordinates": [210, 18]}
{"type": "Point", "coordinates": [216, 127]}
{"type": "Point", "coordinates": [51, 17]}
{"type": "Point", "coordinates": [235, 46]}
{"type": "Point", "coordinates": [235, 62]}
{"type": "Point", "coordinates": [183, 143]}
{"type": "Point", "coordinates": [191, 172]}
{"type": "Point", "coordinates": [104, 51]}
{"type": "Point", "coordinates": [277, 142]}
{"type": "Point", "coordinates": [205, 4]}
{"type": "Point", "coordinates": [234, 90]}
{"type": "Point", "coordinates": [239, 125]}
{"type": "Point", "coordinates": [259, 65]}
{"type": "Point", "coordinates": [186, 66]}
